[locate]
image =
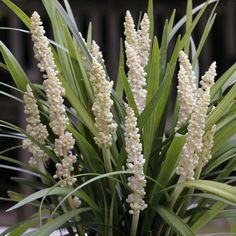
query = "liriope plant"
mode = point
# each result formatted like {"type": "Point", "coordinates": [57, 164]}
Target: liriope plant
{"type": "Point", "coordinates": [102, 160]}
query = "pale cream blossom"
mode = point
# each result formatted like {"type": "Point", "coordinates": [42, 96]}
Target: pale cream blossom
{"type": "Point", "coordinates": [189, 157]}
{"type": "Point", "coordinates": [57, 111]}
{"type": "Point", "coordinates": [208, 141]}
{"type": "Point", "coordinates": [134, 163]}
{"type": "Point", "coordinates": [102, 100]}
{"type": "Point", "coordinates": [95, 51]}
{"type": "Point", "coordinates": [34, 128]}
{"type": "Point", "coordinates": [77, 202]}
{"type": "Point", "coordinates": [137, 45]}
{"type": "Point", "coordinates": [42, 51]}
{"type": "Point", "coordinates": [130, 32]}
{"type": "Point", "coordinates": [187, 90]}
{"type": "Point", "coordinates": [143, 40]}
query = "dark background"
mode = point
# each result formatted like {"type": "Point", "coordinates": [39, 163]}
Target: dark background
{"type": "Point", "coordinates": [107, 17]}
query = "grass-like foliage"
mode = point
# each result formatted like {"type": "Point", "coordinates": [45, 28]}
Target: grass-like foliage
{"type": "Point", "coordinates": [103, 161]}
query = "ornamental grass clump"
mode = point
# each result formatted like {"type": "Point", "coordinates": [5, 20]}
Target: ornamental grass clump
{"type": "Point", "coordinates": [107, 158]}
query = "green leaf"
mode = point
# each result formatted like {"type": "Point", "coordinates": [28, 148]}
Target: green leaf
{"type": "Point", "coordinates": [219, 189]}
{"type": "Point", "coordinates": [53, 191]}
{"type": "Point", "coordinates": [79, 107]}
{"type": "Point", "coordinates": [189, 31]}
{"type": "Point", "coordinates": [220, 109]}
{"type": "Point", "coordinates": [151, 18]}
{"type": "Point", "coordinates": [13, 161]}
{"type": "Point", "coordinates": [31, 183]}
{"type": "Point", "coordinates": [181, 22]}
{"type": "Point", "coordinates": [89, 35]}
{"type": "Point", "coordinates": [73, 29]}
{"type": "Point", "coordinates": [218, 161]}
{"type": "Point", "coordinates": [153, 74]}
{"type": "Point", "coordinates": [205, 34]}
{"type": "Point", "coordinates": [91, 157]}
{"type": "Point", "coordinates": [17, 73]}
{"type": "Point", "coordinates": [21, 229]}
{"type": "Point", "coordinates": [128, 91]}
{"type": "Point", "coordinates": [30, 221]}
{"type": "Point", "coordinates": [176, 223]}
{"type": "Point", "coordinates": [94, 179]}
{"type": "Point", "coordinates": [163, 50]}
{"type": "Point", "coordinates": [211, 197]}
{"type": "Point", "coordinates": [158, 101]}
{"type": "Point", "coordinates": [208, 216]}
{"type": "Point", "coordinates": [2, 65]}
{"type": "Point", "coordinates": [24, 18]}
{"type": "Point", "coordinates": [56, 223]}
{"type": "Point", "coordinates": [223, 135]}
{"type": "Point", "coordinates": [228, 213]}
{"type": "Point", "coordinates": [119, 84]}
{"type": "Point", "coordinates": [217, 87]}
{"type": "Point", "coordinates": [171, 22]}
{"type": "Point", "coordinates": [196, 67]}
{"type": "Point", "coordinates": [188, 23]}
{"type": "Point", "coordinates": [69, 11]}
{"type": "Point", "coordinates": [18, 169]}
{"type": "Point", "coordinates": [169, 165]}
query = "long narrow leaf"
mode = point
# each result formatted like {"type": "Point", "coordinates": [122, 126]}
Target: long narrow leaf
{"type": "Point", "coordinates": [176, 223]}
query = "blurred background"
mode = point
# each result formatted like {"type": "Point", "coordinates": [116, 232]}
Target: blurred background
{"type": "Point", "coordinates": [107, 17]}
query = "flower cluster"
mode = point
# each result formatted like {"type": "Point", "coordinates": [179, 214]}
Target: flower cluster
{"type": "Point", "coordinates": [34, 128]}
{"type": "Point", "coordinates": [135, 163]}
{"type": "Point", "coordinates": [77, 202]}
{"type": "Point", "coordinates": [208, 141]}
{"type": "Point", "coordinates": [95, 51]}
{"type": "Point", "coordinates": [137, 46]}
{"type": "Point", "coordinates": [187, 89]}
{"type": "Point", "coordinates": [189, 158]}
{"type": "Point", "coordinates": [42, 52]}
{"type": "Point", "coordinates": [102, 102]}
{"type": "Point", "coordinates": [55, 92]}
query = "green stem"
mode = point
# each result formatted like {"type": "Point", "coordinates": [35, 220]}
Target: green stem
{"type": "Point", "coordinates": [79, 227]}
{"type": "Point", "coordinates": [107, 159]}
{"type": "Point", "coordinates": [71, 204]}
{"type": "Point", "coordinates": [159, 232]}
{"type": "Point", "coordinates": [176, 192]}
{"type": "Point", "coordinates": [191, 191]}
{"type": "Point", "coordinates": [134, 226]}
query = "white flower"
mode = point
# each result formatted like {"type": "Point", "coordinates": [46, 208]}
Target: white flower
{"type": "Point", "coordinates": [130, 32]}
{"type": "Point", "coordinates": [135, 163]}
{"type": "Point", "coordinates": [41, 48]}
{"type": "Point", "coordinates": [189, 157]}
{"type": "Point", "coordinates": [187, 95]}
{"type": "Point", "coordinates": [136, 76]}
{"type": "Point", "coordinates": [57, 111]}
{"type": "Point", "coordinates": [96, 53]}
{"type": "Point", "coordinates": [208, 141]}
{"type": "Point", "coordinates": [143, 40]}
{"type": "Point", "coordinates": [137, 45]}
{"type": "Point", "coordinates": [102, 102]}
{"type": "Point", "coordinates": [64, 170]}
{"type": "Point", "coordinates": [77, 202]}
{"type": "Point", "coordinates": [34, 128]}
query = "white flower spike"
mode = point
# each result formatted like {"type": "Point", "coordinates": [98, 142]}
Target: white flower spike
{"type": "Point", "coordinates": [189, 158]}
{"type": "Point", "coordinates": [137, 45]}
{"type": "Point", "coordinates": [187, 90]}
{"type": "Point", "coordinates": [57, 111]}
{"type": "Point", "coordinates": [135, 163]}
{"type": "Point", "coordinates": [102, 102]}
{"type": "Point", "coordinates": [35, 129]}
